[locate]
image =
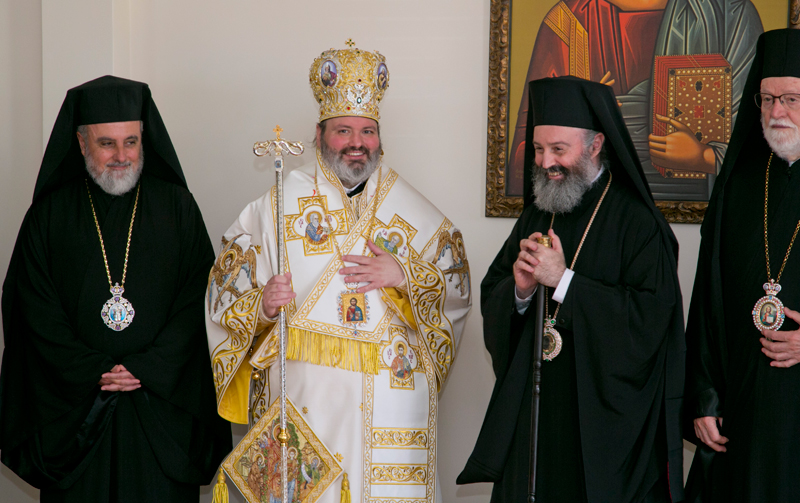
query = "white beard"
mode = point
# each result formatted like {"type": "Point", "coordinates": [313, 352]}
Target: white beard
{"type": "Point", "coordinates": [784, 142]}
{"type": "Point", "coordinates": [115, 183]}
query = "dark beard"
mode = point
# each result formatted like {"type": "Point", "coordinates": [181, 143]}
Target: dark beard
{"type": "Point", "coordinates": [562, 196]}
{"type": "Point", "coordinates": [351, 175]}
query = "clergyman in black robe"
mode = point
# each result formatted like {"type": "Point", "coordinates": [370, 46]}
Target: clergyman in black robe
{"type": "Point", "coordinates": [609, 428]}
{"type": "Point", "coordinates": [99, 412]}
{"type": "Point", "coordinates": [742, 387]}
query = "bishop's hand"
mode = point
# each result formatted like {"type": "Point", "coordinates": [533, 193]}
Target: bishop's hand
{"type": "Point", "coordinates": [782, 347]}
{"type": "Point", "coordinates": [277, 292]}
{"type": "Point", "coordinates": [706, 430]}
{"type": "Point", "coordinates": [551, 262]}
{"type": "Point", "coordinates": [524, 278]}
{"type": "Point", "coordinates": [380, 271]}
{"type": "Point", "coordinates": [119, 379]}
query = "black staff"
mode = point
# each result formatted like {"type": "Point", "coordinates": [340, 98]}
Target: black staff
{"type": "Point", "coordinates": [538, 349]}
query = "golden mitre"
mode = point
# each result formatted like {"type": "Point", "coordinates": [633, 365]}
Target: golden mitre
{"type": "Point", "coordinates": [349, 82]}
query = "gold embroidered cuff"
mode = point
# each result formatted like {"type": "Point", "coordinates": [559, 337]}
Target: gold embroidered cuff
{"type": "Point", "coordinates": [403, 288]}
{"type": "Point", "coordinates": [263, 321]}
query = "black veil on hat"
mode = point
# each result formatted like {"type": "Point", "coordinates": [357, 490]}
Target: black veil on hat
{"type": "Point", "coordinates": [777, 55]}
{"type": "Point", "coordinates": [106, 99]}
{"type": "Point", "coordinates": [579, 103]}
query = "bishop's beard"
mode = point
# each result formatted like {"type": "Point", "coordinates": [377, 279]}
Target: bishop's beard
{"type": "Point", "coordinates": [784, 142]}
{"type": "Point", "coordinates": [111, 181]}
{"type": "Point", "coordinates": [354, 173]}
{"type": "Point", "coordinates": [562, 196]}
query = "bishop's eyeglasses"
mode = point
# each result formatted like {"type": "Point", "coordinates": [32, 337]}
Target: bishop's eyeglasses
{"type": "Point", "coordinates": [789, 101]}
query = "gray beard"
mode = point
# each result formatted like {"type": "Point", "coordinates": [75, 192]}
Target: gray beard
{"type": "Point", "coordinates": [113, 183]}
{"type": "Point", "coordinates": [562, 196]}
{"type": "Point", "coordinates": [786, 144]}
{"type": "Point", "coordinates": [350, 175]}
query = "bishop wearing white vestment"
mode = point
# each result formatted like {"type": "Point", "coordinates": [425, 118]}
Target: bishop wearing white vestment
{"type": "Point", "coordinates": [376, 294]}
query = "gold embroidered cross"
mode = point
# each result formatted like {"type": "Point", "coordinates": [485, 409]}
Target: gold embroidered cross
{"type": "Point", "coordinates": [349, 42]}
{"type": "Point", "coordinates": [313, 211]}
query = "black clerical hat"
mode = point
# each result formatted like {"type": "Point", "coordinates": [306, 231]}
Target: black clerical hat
{"type": "Point", "coordinates": [106, 99]}
{"type": "Point", "coordinates": [562, 101]}
{"type": "Point", "coordinates": [777, 55]}
{"type": "Point", "coordinates": [781, 52]}
{"type": "Point", "coordinates": [575, 102]}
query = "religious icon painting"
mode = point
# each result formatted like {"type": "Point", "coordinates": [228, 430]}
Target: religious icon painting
{"type": "Point", "coordinates": [768, 312]}
{"type": "Point", "coordinates": [392, 241]}
{"type": "Point", "coordinates": [401, 360]}
{"type": "Point", "coordinates": [254, 466]}
{"type": "Point", "coordinates": [315, 225]}
{"type": "Point", "coordinates": [328, 73]}
{"type": "Point", "coordinates": [316, 230]}
{"type": "Point", "coordinates": [353, 309]}
{"type": "Point", "coordinates": [117, 312]}
{"type": "Point", "coordinates": [694, 90]}
{"type": "Point", "coordinates": [382, 76]}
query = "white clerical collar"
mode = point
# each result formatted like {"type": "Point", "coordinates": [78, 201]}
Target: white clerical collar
{"type": "Point", "coordinates": [599, 173]}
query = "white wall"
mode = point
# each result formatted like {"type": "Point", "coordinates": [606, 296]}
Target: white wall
{"type": "Point", "coordinates": [20, 147]}
{"type": "Point", "coordinates": [223, 74]}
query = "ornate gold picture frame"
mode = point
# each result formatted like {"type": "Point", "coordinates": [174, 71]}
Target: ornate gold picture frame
{"type": "Point", "coordinates": [502, 107]}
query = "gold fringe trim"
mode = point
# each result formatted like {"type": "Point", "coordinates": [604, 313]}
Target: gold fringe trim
{"type": "Point", "coordinates": [220, 490]}
{"type": "Point", "coordinates": [331, 351]}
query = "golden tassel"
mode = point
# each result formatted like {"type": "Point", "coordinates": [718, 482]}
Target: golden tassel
{"type": "Point", "coordinates": [221, 489]}
{"type": "Point", "coordinates": [345, 490]}
{"type": "Point", "coordinates": [331, 351]}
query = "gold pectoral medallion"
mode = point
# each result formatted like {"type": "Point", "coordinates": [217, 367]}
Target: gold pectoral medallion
{"type": "Point", "coordinates": [551, 340]}
{"type": "Point", "coordinates": [117, 312]}
{"type": "Point", "coordinates": [768, 312]}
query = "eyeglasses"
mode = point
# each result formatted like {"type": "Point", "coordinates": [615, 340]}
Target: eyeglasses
{"type": "Point", "coordinates": [766, 100]}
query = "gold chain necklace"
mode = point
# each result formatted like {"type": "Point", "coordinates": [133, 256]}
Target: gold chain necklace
{"type": "Point", "coordinates": [117, 313]}
{"type": "Point", "coordinates": [551, 339]}
{"type": "Point", "coordinates": [349, 302]}
{"type": "Point", "coordinates": [768, 313]}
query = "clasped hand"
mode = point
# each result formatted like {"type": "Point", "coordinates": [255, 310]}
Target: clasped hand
{"type": "Point", "coordinates": [537, 264]}
{"type": "Point", "coordinates": [782, 347]}
{"type": "Point", "coordinates": [119, 379]}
